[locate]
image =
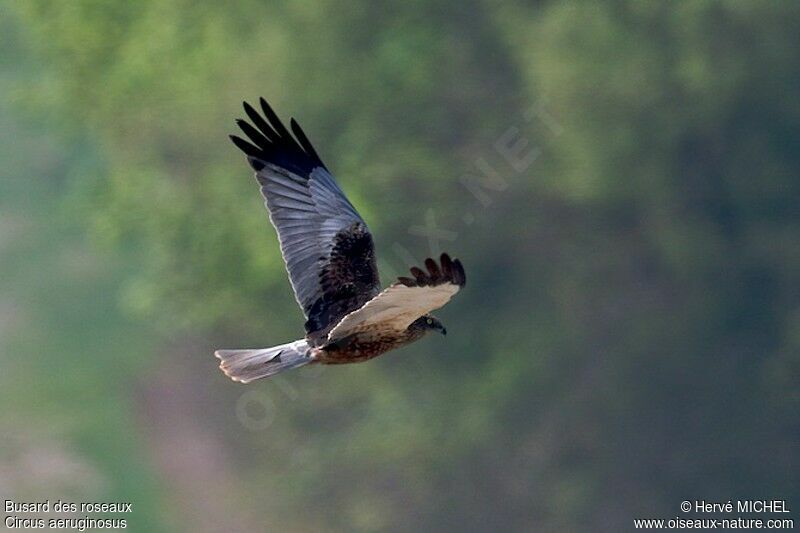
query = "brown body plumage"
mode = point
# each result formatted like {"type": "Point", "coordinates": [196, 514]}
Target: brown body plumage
{"type": "Point", "coordinates": [366, 345]}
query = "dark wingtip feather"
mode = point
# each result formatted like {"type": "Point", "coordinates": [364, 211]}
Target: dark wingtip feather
{"type": "Point", "coordinates": [255, 136]}
{"type": "Point", "coordinates": [450, 271]}
{"type": "Point", "coordinates": [259, 122]}
{"type": "Point", "coordinates": [459, 277]}
{"type": "Point", "coordinates": [276, 123]}
{"type": "Point", "coordinates": [271, 143]}
{"type": "Point", "coordinates": [304, 142]}
{"type": "Point", "coordinates": [245, 146]}
{"type": "Point", "coordinates": [433, 269]}
{"type": "Point", "coordinates": [420, 275]}
{"type": "Point", "coordinates": [447, 266]}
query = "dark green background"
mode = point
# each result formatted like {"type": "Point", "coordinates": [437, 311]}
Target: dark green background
{"type": "Point", "coordinates": [629, 336]}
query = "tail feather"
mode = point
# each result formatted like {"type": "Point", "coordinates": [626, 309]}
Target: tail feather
{"type": "Point", "coordinates": [248, 365]}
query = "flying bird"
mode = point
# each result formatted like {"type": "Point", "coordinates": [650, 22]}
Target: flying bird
{"type": "Point", "coordinates": [330, 259]}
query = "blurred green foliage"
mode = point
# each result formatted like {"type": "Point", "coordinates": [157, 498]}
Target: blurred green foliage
{"type": "Point", "coordinates": [629, 335]}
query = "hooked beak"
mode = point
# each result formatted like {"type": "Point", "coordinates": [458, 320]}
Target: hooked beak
{"type": "Point", "coordinates": [444, 331]}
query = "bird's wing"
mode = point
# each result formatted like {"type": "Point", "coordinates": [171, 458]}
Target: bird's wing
{"type": "Point", "coordinates": [326, 245]}
{"type": "Point", "coordinates": [406, 300]}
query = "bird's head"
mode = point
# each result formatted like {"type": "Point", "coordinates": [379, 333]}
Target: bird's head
{"type": "Point", "coordinates": [430, 322]}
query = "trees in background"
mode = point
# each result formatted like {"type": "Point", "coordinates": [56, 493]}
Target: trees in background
{"type": "Point", "coordinates": [628, 337]}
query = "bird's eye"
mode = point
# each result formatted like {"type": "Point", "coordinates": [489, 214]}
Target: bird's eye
{"type": "Point", "coordinates": [430, 322]}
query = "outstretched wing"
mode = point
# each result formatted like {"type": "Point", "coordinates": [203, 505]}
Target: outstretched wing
{"type": "Point", "coordinates": [407, 299]}
{"type": "Point", "coordinates": [326, 245]}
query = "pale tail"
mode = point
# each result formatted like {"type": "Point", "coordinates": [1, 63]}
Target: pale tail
{"type": "Point", "coordinates": [248, 365]}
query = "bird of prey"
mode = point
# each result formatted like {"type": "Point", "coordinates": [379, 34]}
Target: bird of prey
{"type": "Point", "coordinates": [330, 258]}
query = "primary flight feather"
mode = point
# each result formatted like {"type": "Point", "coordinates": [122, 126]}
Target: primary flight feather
{"type": "Point", "coordinates": [330, 258]}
